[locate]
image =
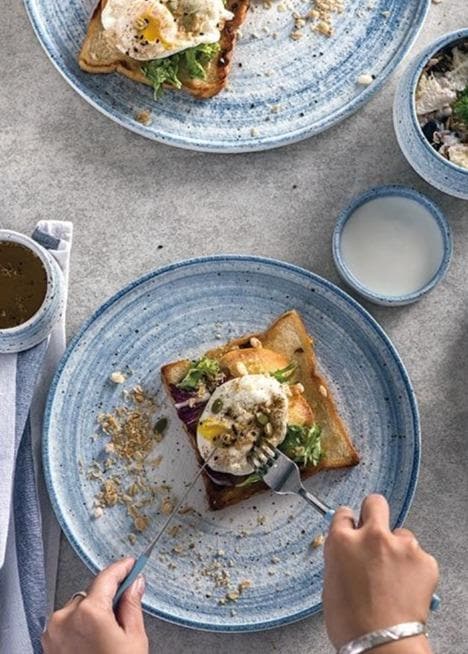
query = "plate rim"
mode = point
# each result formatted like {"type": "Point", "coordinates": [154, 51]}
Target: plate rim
{"type": "Point", "coordinates": [188, 263]}
{"type": "Point", "coordinates": [254, 144]}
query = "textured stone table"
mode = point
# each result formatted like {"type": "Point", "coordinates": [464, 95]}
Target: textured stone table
{"type": "Point", "coordinates": [127, 196]}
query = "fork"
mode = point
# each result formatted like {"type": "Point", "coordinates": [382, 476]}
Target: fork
{"type": "Point", "coordinates": [282, 475]}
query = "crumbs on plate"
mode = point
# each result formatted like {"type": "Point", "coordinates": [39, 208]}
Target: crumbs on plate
{"type": "Point", "coordinates": [132, 431]}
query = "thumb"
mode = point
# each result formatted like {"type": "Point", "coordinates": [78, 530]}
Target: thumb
{"type": "Point", "coordinates": [129, 611]}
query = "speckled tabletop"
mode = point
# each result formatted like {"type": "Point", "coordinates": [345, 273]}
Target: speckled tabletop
{"type": "Point", "coordinates": [128, 197]}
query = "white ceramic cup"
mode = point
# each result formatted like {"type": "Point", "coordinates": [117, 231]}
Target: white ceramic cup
{"type": "Point", "coordinates": [38, 327]}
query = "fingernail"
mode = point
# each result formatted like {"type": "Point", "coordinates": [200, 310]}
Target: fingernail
{"type": "Point", "coordinates": [139, 585]}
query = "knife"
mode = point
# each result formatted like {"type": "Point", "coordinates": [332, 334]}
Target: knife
{"type": "Point", "coordinates": [143, 559]}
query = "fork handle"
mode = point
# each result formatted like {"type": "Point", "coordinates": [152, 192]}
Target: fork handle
{"type": "Point", "coordinates": [326, 511]}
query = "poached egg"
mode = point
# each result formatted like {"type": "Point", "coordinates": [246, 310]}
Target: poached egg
{"type": "Point", "coordinates": [154, 29]}
{"type": "Point", "coordinates": [238, 414]}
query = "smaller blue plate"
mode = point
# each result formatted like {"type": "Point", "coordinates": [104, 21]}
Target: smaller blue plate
{"type": "Point", "coordinates": [402, 192]}
{"type": "Point", "coordinates": [182, 310]}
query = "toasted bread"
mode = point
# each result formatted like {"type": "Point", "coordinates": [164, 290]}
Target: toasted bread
{"type": "Point", "coordinates": [97, 56]}
{"type": "Point", "coordinates": [288, 338]}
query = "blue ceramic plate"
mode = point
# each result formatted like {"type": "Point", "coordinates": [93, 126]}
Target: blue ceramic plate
{"type": "Point", "coordinates": [281, 90]}
{"type": "Point", "coordinates": [180, 311]}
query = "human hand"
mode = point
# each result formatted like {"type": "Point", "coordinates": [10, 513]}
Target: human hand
{"type": "Point", "coordinates": [374, 578]}
{"type": "Point", "coordinates": [89, 625]}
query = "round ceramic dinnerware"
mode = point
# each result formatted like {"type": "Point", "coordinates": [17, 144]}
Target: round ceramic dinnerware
{"type": "Point", "coordinates": [180, 311]}
{"type": "Point", "coordinates": [280, 90]}
{"type": "Point", "coordinates": [426, 161]}
{"type": "Point", "coordinates": [405, 193]}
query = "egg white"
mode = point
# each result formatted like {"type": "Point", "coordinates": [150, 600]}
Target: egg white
{"type": "Point", "coordinates": [240, 399]}
{"type": "Point", "coordinates": [155, 29]}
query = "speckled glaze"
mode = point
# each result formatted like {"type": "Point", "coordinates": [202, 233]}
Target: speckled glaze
{"type": "Point", "coordinates": [281, 91]}
{"type": "Point", "coordinates": [179, 311]}
{"type": "Point", "coordinates": [38, 327]}
{"type": "Point", "coordinates": [385, 191]}
{"type": "Point", "coordinates": [427, 162]}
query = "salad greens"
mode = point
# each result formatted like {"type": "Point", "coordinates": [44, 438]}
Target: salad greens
{"type": "Point", "coordinates": [251, 479]}
{"type": "Point", "coordinates": [201, 370]}
{"type": "Point", "coordinates": [284, 374]}
{"type": "Point", "coordinates": [460, 108]}
{"type": "Point", "coordinates": [191, 62]}
{"type": "Point", "coordinates": [302, 444]}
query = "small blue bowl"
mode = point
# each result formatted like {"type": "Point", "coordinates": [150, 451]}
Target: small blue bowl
{"type": "Point", "coordinates": [426, 161]}
{"type": "Point", "coordinates": [403, 192]}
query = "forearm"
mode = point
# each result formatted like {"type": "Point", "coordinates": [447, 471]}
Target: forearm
{"type": "Point", "coordinates": [413, 645]}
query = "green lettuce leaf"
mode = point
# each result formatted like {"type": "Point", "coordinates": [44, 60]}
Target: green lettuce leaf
{"type": "Point", "coordinates": [193, 62]}
{"type": "Point", "coordinates": [302, 444]}
{"type": "Point", "coordinates": [460, 108]}
{"type": "Point", "coordinates": [204, 369]}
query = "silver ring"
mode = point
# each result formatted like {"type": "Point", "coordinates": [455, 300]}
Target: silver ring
{"type": "Point", "coordinates": [80, 593]}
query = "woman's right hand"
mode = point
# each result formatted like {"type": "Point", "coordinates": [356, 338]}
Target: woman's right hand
{"type": "Point", "coordinates": [375, 578]}
{"type": "Point", "coordinates": [90, 626]}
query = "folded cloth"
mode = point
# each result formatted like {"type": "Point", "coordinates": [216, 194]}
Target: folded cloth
{"type": "Point", "coordinates": [29, 533]}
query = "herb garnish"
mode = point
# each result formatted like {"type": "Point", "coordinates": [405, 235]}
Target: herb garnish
{"type": "Point", "coordinates": [191, 62]}
{"type": "Point", "coordinates": [284, 374]}
{"type": "Point", "coordinates": [302, 444]}
{"type": "Point", "coordinates": [460, 108]}
{"type": "Point", "coordinates": [201, 370]}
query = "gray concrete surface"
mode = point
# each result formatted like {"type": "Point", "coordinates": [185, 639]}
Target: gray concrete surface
{"type": "Point", "coordinates": [62, 159]}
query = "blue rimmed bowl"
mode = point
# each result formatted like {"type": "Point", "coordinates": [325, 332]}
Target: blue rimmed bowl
{"type": "Point", "coordinates": [401, 192]}
{"type": "Point", "coordinates": [39, 326]}
{"type": "Point", "coordinates": [426, 161]}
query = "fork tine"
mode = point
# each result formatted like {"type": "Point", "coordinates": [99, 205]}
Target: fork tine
{"type": "Point", "coordinates": [268, 450]}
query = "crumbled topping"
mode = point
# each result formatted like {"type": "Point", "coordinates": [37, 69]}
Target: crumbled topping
{"type": "Point", "coordinates": [318, 541]}
{"type": "Point", "coordinates": [323, 391]}
{"type": "Point", "coordinates": [365, 79]}
{"type": "Point", "coordinates": [117, 377]}
{"type": "Point", "coordinates": [144, 117]}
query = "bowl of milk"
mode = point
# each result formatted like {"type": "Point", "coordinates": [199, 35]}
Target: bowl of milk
{"type": "Point", "coordinates": [392, 245]}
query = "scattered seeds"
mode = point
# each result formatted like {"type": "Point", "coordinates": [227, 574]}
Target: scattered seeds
{"type": "Point", "coordinates": [144, 117]}
{"type": "Point", "coordinates": [117, 377]}
{"type": "Point", "coordinates": [365, 79]}
{"type": "Point", "coordinates": [318, 541]}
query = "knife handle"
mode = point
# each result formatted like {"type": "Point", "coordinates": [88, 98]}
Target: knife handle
{"type": "Point", "coordinates": [137, 567]}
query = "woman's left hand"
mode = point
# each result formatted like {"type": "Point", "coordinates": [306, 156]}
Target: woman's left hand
{"type": "Point", "coordinates": [89, 625]}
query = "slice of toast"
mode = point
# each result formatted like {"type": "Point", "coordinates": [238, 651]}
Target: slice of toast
{"type": "Point", "coordinates": [288, 337]}
{"type": "Point", "coordinates": [97, 56]}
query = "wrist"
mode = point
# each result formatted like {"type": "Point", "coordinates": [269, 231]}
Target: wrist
{"type": "Point", "coordinates": [412, 645]}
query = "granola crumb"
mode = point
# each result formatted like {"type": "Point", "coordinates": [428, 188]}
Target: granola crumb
{"type": "Point", "coordinates": [167, 506]}
{"type": "Point", "coordinates": [253, 132]}
{"type": "Point", "coordinates": [98, 512]}
{"type": "Point", "coordinates": [132, 539]}
{"type": "Point", "coordinates": [323, 391]}
{"type": "Point", "coordinates": [117, 377]}
{"type": "Point", "coordinates": [318, 541]}
{"type": "Point", "coordinates": [275, 559]}
{"type": "Point", "coordinates": [243, 585]}
{"type": "Point", "coordinates": [296, 35]}
{"type": "Point", "coordinates": [144, 117]}
{"type": "Point", "coordinates": [365, 79]}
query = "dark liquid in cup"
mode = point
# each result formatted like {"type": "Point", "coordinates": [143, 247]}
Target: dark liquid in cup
{"type": "Point", "coordinates": [23, 284]}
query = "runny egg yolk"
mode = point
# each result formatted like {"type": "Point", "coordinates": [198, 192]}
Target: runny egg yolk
{"type": "Point", "coordinates": [150, 29]}
{"type": "Point", "coordinates": [212, 429]}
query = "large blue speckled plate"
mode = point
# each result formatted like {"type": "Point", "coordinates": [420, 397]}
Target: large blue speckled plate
{"type": "Point", "coordinates": [179, 311]}
{"type": "Point", "coordinates": [281, 90]}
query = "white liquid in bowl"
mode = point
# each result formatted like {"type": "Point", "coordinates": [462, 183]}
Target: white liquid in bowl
{"type": "Point", "coordinates": [392, 245]}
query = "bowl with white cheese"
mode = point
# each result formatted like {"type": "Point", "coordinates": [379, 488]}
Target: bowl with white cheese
{"type": "Point", "coordinates": [430, 113]}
